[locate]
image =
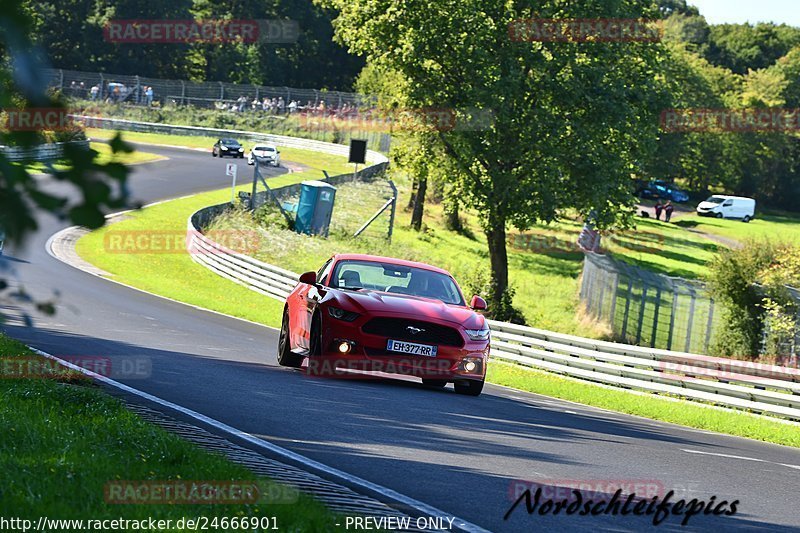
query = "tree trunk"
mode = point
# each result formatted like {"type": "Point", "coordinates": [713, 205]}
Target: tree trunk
{"type": "Point", "coordinates": [496, 238]}
{"type": "Point", "coordinates": [419, 203]}
{"type": "Point", "coordinates": [412, 198]}
{"type": "Point", "coordinates": [452, 220]}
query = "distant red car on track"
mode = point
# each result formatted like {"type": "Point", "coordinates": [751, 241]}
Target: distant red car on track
{"type": "Point", "coordinates": [362, 312]}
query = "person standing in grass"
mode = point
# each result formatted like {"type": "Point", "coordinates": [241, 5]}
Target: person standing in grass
{"type": "Point", "coordinates": [658, 208]}
{"type": "Point", "coordinates": [668, 208]}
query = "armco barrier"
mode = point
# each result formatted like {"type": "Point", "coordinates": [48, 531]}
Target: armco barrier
{"type": "Point", "coordinates": [736, 384]}
{"type": "Point", "coordinates": [42, 152]}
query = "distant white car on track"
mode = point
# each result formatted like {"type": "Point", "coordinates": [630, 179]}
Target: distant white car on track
{"type": "Point", "coordinates": [264, 153]}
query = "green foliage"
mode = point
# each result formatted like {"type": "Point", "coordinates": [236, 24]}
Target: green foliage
{"type": "Point", "coordinates": [781, 308]}
{"type": "Point", "coordinates": [522, 168]}
{"type": "Point", "coordinates": [744, 47]}
{"type": "Point", "coordinates": [72, 33]}
{"type": "Point", "coordinates": [269, 216]}
{"type": "Point", "coordinates": [732, 279]}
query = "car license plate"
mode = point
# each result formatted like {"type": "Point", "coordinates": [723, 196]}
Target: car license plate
{"type": "Point", "coordinates": [411, 348]}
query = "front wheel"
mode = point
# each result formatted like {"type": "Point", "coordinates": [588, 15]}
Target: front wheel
{"type": "Point", "coordinates": [468, 387]}
{"type": "Point", "coordinates": [286, 357]}
{"type": "Point", "coordinates": [718, 215]}
{"type": "Point", "coordinates": [746, 219]}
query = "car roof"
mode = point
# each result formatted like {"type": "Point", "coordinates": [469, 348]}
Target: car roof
{"type": "Point", "coordinates": [391, 260]}
{"type": "Point", "coordinates": [727, 197]}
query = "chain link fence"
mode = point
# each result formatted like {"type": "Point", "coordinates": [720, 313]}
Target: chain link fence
{"type": "Point", "coordinates": [648, 309]}
{"type": "Point", "coordinates": [130, 88]}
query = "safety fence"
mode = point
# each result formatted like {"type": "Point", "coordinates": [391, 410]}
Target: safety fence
{"type": "Point", "coordinates": [41, 152]}
{"type": "Point", "coordinates": [646, 308]}
{"type": "Point", "coordinates": [743, 385]}
{"type": "Point", "coordinates": [129, 88]}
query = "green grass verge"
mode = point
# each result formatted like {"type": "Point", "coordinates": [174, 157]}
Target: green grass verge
{"type": "Point", "coordinates": [683, 413]}
{"type": "Point", "coordinates": [105, 156]}
{"type": "Point", "coordinates": [64, 440]}
{"type": "Point", "coordinates": [775, 226]}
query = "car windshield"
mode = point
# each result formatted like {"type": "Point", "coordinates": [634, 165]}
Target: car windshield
{"type": "Point", "coordinates": [231, 142]}
{"type": "Point", "coordinates": [397, 279]}
{"type": "Point", "coordinates": [264, 148]}
{"type": "Point", "coordinates": [716, 200]}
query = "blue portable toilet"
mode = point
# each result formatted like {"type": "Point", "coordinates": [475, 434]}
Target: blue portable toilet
{"type": "Point", "coordinates": [315, 208]}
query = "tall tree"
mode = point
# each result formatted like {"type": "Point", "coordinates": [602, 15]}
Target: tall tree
{"type": "Point", "coordinates": [570, 119]}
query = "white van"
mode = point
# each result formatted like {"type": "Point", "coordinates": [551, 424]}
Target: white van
{"type": "Point", "coordinates": [720, 206]}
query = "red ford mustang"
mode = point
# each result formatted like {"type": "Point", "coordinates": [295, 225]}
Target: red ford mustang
{"type": "Point", "coordinates": [362, 312]}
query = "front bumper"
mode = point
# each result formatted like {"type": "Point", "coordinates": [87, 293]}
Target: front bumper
{"type": "Point", "coordinates": [368, 353]}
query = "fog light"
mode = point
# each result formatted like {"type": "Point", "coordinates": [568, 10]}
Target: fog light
{"type": "Point", "coordinates": [344, 347]}
{"type": "Point", "coordinates": [469, 366]}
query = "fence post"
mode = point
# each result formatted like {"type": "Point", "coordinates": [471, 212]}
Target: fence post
{"type": "Point", "coordinates": [61, 80]}
{"type": "Point", "coordinates": [693, 296]}
{"type": "Point", "coordinates": [614, 289]}
{"type": "Point", "coordinates": [710, 324]}
{"type": "Point", "coordinates": [641, 313]}
{"type": "Point", "coordinates": [655, 317]}
{"type": "Point", "coordinates": [627, 307]}
{"type": "Point", "coordinates": [221, 91]}
{"type": "Point", "coordinates": [138, 90]}
{"type": "Point", "coordinates": [672, 314]}
{"type": "Point", "coordinates": [183, 92]}
{"type": "Point", "coordinates": [394, 206]}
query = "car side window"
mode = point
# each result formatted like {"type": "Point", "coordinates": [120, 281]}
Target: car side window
{"type": "Point", "coordinates": [728, 203]}
{"type": "Point", "coordinates": [324, 271]}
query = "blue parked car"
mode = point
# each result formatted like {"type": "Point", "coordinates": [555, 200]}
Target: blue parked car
{"type": "Point", "coordinates": [656, 189]}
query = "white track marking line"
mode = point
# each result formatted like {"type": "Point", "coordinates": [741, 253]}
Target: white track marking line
{"type": "Point", "coordinates": [390, 494]}
{"type": "Point", "coordinates": [740, 457]}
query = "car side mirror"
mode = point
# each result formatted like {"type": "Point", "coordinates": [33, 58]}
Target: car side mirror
{"type": "Point", "coordinates": [309, 278]}
{"type": "Point", "coordinates": [478, 303]}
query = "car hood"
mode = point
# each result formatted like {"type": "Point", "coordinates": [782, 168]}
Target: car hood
{"type": "Point", "coordinates": [409, 306]}
{"type": "Point", "coordinates": [707, 205]}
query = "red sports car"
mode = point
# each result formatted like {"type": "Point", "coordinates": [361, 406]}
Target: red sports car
{"type": "Point", "coordinates": [367, 313]}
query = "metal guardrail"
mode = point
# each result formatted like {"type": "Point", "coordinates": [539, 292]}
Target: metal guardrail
{"type": "Point", "coordinates": [731, 383]}
{"type": "Point", "coordinates": [42, 152]}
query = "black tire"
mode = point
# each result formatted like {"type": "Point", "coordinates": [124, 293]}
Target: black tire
{"type": "Point", "coordinates": [315, 337]}
{"type": "Point", "coordinates": [434, 383]}
{"type": "Point", "coordinates": [746, 219]}
{"type": "Point", "coordinates": [213, 153]}
{"type": "Point", "coordinates": [468, 387]}
{"type": "Point", "coordinates": [241, 156]}
{"type": "Point", "coordinates": [286, 357]}
{"type": "Point", "coordinates": [718, 215]}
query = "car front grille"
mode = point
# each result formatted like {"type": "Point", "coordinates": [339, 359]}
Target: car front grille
{"type": "Point", "coordinates": [399, 329]}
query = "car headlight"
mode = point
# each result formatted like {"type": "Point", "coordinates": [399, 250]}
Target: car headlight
{"type": "Point", "coordinates": [478, 334]}
{"type": "Point", "coordinates": [223, 147]}
{"type": "Point", "coordinates": [341, 314]}
{"type": "Point", "coordinates": [241, 149]}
